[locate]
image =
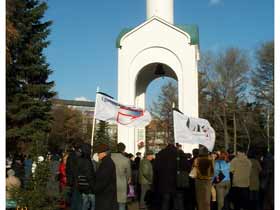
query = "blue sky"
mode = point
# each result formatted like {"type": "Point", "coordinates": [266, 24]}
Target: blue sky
{"type": "Point", "coordinates": [83, 55]}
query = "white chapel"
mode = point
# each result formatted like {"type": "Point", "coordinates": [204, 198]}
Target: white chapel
{"type": "Point", "coordinates": [157, 47]}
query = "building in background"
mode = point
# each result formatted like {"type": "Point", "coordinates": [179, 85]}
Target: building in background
{"type": "Point", "coordinates": [87, 110]}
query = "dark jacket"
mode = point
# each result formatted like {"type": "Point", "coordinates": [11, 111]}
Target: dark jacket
{"type": "Point", "coordinates": [136, 163]}
{"type": "Point", "coordinates": [184, 163]}
{"type": "Point", "coordinates": [105, 187]}
{"type": "Point", "coordinates": [85, 166]}
{"type": "Point", "coordinates": [71, 170]}
{"type": "Point", "coordinates": [19, 171]}
{"type": "Point", "coordinates": [165, 170]}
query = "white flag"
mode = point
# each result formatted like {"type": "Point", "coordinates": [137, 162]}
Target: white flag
{"type": "Point", "coordinates": [107, 109]}
{"type": "Point", "coordinates": [193, 130]}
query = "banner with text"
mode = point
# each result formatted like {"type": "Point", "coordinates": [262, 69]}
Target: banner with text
{"type": "Point", "coordinates": [193, 130]}
{"type": "Point", "coordinates": [107, 109]}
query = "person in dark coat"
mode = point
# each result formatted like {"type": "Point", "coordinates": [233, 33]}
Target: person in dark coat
{"type": "Point", "coordinates": [267, 182]}
{"type": "Point", "coordinates": [18, 167]}
{"type": "Point", "coordinates": [85, 184]}
{"type": "Point", "coordinates": [71, 162]}
{"type": "Point", "coordinates": [27, 169]}
{"type": "Point", "coordinates": [105, 187]}
{"type": "Point", "coordinates": [71, 173]}
{"type": "Point", "coordinates": [165, 169]}
{"type": "Point", "coordinates": [135, 172]}
{"type": "Point", "coordinates": [185, 165]}
{"type": "Point", "coordinates": [137, 160]}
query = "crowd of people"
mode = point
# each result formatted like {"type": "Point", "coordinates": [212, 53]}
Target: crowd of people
{"type": "Point", "coordinates": [168, 180]}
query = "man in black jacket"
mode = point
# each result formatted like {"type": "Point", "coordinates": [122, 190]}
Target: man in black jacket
{"type": "Point", "coordinates": [165, 169]}
{"type": "Point", "coordinates": [70, 164]}
{"type": "Point", "coordinates": [135, 172]}
{"type": "Point", "coordinates": [105, 187]}
{"type": "Point", "coordinates": [86, 177]}
{"type": "Point", "coordinates": [71, 172]}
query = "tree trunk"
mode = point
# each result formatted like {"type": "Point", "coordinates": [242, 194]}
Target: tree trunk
{"type": "Point", "coordinates": [234, 136]}
{"type": "Point", "coordinates": [248, 135]}
{"type": "Point", "coordinates": [268, 143]}
{"type": "Point", "coordinates": [225, 128]}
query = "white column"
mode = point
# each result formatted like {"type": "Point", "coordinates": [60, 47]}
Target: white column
{"type": "Point", "coordinates": [140, 133]}
{"type": "Point", "coordinates": [161, 8]}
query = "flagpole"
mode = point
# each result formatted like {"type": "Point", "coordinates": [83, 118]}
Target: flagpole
{"type": "Point", "coordinates": [93, 122]}
{"type": "Point", "coordinates": [173, 107]}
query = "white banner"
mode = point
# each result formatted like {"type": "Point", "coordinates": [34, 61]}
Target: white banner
{"type": "Point", "coordinates": [193, 130]}
{"type": "Point", "coordinates": [107, 109]}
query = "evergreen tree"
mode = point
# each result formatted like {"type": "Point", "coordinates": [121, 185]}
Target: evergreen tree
{"type": "Point", "coordinates": [11, 31]}
{"type": "Point", "coordinates": [28, 93]}
{"type": "Point", "coordinates": [28, 89]}
{"type": "Point", "coordinates": [102, 135]}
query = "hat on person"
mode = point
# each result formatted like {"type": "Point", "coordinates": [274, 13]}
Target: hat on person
{"type": "Point", "coordinates": [102, 148]}
{"type": "Point", "coordinates": [10, 172]}
{"type": "Point", "coordinates": [121, 147]}
{"type": "Point", "coordinates": [241, 149]}
{"type": "Point", "coordinates": [203, 151]}
{"type": "Point", "coordinates": [149, 152]}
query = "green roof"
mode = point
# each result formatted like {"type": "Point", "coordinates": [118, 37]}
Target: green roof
{"type": "Point", "coordinates": [121, 34]}
{"type": "Point", "coordinates": [190, 29]}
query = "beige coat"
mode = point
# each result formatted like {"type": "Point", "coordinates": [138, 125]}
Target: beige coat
{"type": "Point", "coordinates": [241, 166]}
{"type": "Point", "coordinates": [11, 182]}
{"type": "Point", "coordinates": [123, 173]}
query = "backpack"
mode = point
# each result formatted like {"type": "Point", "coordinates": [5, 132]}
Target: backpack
{"type": "Point", "coordinates": [83, 176]}
{"type": "Point", "coordinates": [83, 184]}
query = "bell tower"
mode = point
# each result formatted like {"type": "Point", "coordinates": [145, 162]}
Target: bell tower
{"type": "Point", "coordinates": [160, 8]}
{"type": "Point", "coordinates": [157, 44]}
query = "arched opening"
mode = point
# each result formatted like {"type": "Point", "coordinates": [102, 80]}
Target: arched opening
{"type": "Point", "coordinates": [149, 73]}
{"type": "Point", "coordinates": [150, 82]}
